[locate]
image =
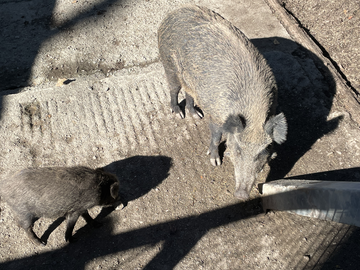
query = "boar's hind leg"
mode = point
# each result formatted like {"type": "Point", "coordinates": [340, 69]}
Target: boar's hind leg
{"type": "Point", "coordinates": [71, 220]}
{"type": "Point", "coordinates": [216, 133]}
{"type": "Point", "coordinates": [191, 107]}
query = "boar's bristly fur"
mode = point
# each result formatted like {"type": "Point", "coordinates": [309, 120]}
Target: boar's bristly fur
{"type": "Point", "coordinates": [223, 73]}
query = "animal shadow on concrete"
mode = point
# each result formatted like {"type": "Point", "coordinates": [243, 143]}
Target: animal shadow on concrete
{"type": "Point", "coordinates": [305, 95]}
{"type": "Point", "coordinates": [51, 228]}
{"type": "Point", "coordinates": [306, 90]}
{"type": "Point", "coordinates": [139, 174]}
{"type": "Point", "coordinates": [178, 238]}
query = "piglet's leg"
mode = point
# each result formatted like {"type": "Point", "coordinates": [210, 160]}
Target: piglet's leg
{"type": "Point", "coordinates": [71, 221]}
{"type": "Point", "coordinates": [33, 237]}
{"type": "Point", "coordinates": [26, 222]}
{"type": "Point", "coordinates": [89, 220]}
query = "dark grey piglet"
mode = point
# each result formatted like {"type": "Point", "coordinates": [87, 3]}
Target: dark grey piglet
{"type": "Point", "coordinates": [221, 71]}
{"type": "Point", "coordinates": [57, 192]}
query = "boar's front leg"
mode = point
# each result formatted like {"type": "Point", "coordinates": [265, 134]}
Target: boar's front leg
{"type": "Point", "coordinates": [71, 220]}
{"type": "Point", "coordinates": [175, 86]}
{"type": "Point", "coordinates": [190, 105]}
{"type": "Point", "coordinates": [216, 133]}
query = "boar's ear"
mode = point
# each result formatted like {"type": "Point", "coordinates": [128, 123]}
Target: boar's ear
{"type": "Point", "coordinates": [276, 127]}
{"type": "Point", "coordinates": [234, 124]}
{"type": "Point", "coordinates": [114, 190]}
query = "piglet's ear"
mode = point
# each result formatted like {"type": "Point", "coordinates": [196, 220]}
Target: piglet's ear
{"type": "Point", "coordinates": [114, 190]}
{"type": "Point", "coordinates": [276, 127]}
{"type": "Point", "coordinates": [234, 124]}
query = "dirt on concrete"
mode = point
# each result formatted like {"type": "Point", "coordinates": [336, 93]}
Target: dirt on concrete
{"type": "Point", "coordinates": [335, 25]}
{"type": "Point", "coordinates": [181, 212]}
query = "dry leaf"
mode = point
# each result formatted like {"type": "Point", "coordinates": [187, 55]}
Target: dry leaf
{"type": "Point", "coordinates": [60, 82]}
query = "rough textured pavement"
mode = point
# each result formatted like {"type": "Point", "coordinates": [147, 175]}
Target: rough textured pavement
{"type": "Point", "coordinates": [82, 84]}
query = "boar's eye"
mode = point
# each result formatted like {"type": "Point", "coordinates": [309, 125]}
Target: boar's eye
{"type": "Point", "coordinates": [265, 153]}
{"type": "Point", "coordinates": [269, 148]}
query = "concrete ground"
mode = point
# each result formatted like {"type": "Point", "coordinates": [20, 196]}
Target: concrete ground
{"type": "Point", "coordinates": [81, 84]}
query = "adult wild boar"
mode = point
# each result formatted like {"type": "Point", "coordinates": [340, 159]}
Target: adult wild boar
{"type": "Point", "coordinates": [222, 72]}
{"type": "Point", "coordinates": [57, 192]}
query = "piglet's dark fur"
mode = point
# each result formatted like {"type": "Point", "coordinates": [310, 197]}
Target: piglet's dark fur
{"type": "Point", "coordinates": [57, 192]}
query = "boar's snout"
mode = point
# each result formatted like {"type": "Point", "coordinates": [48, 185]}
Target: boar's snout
{"type": "Point", "coordinates": [248, 160]}
{"type": "Point", "coordinates": [244, 183]}
{"type": "Point", "coordinates": [244, 180]}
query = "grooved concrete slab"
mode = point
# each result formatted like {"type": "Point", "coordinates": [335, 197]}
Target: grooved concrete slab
{"type": "Point", "coordinates": [80, 123]}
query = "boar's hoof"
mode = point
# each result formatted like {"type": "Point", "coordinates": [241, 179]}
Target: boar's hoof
{"type": "Point", "coordinates": [215, 161]}
{"type": "Point", "coordinates": [214, 158]}
{"type": "Point", "coordinates": [195, 113]}
{"type": "Point", "coordinates": [241, 195]}
{"type": "Point", "coordinates": [177, 110]}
